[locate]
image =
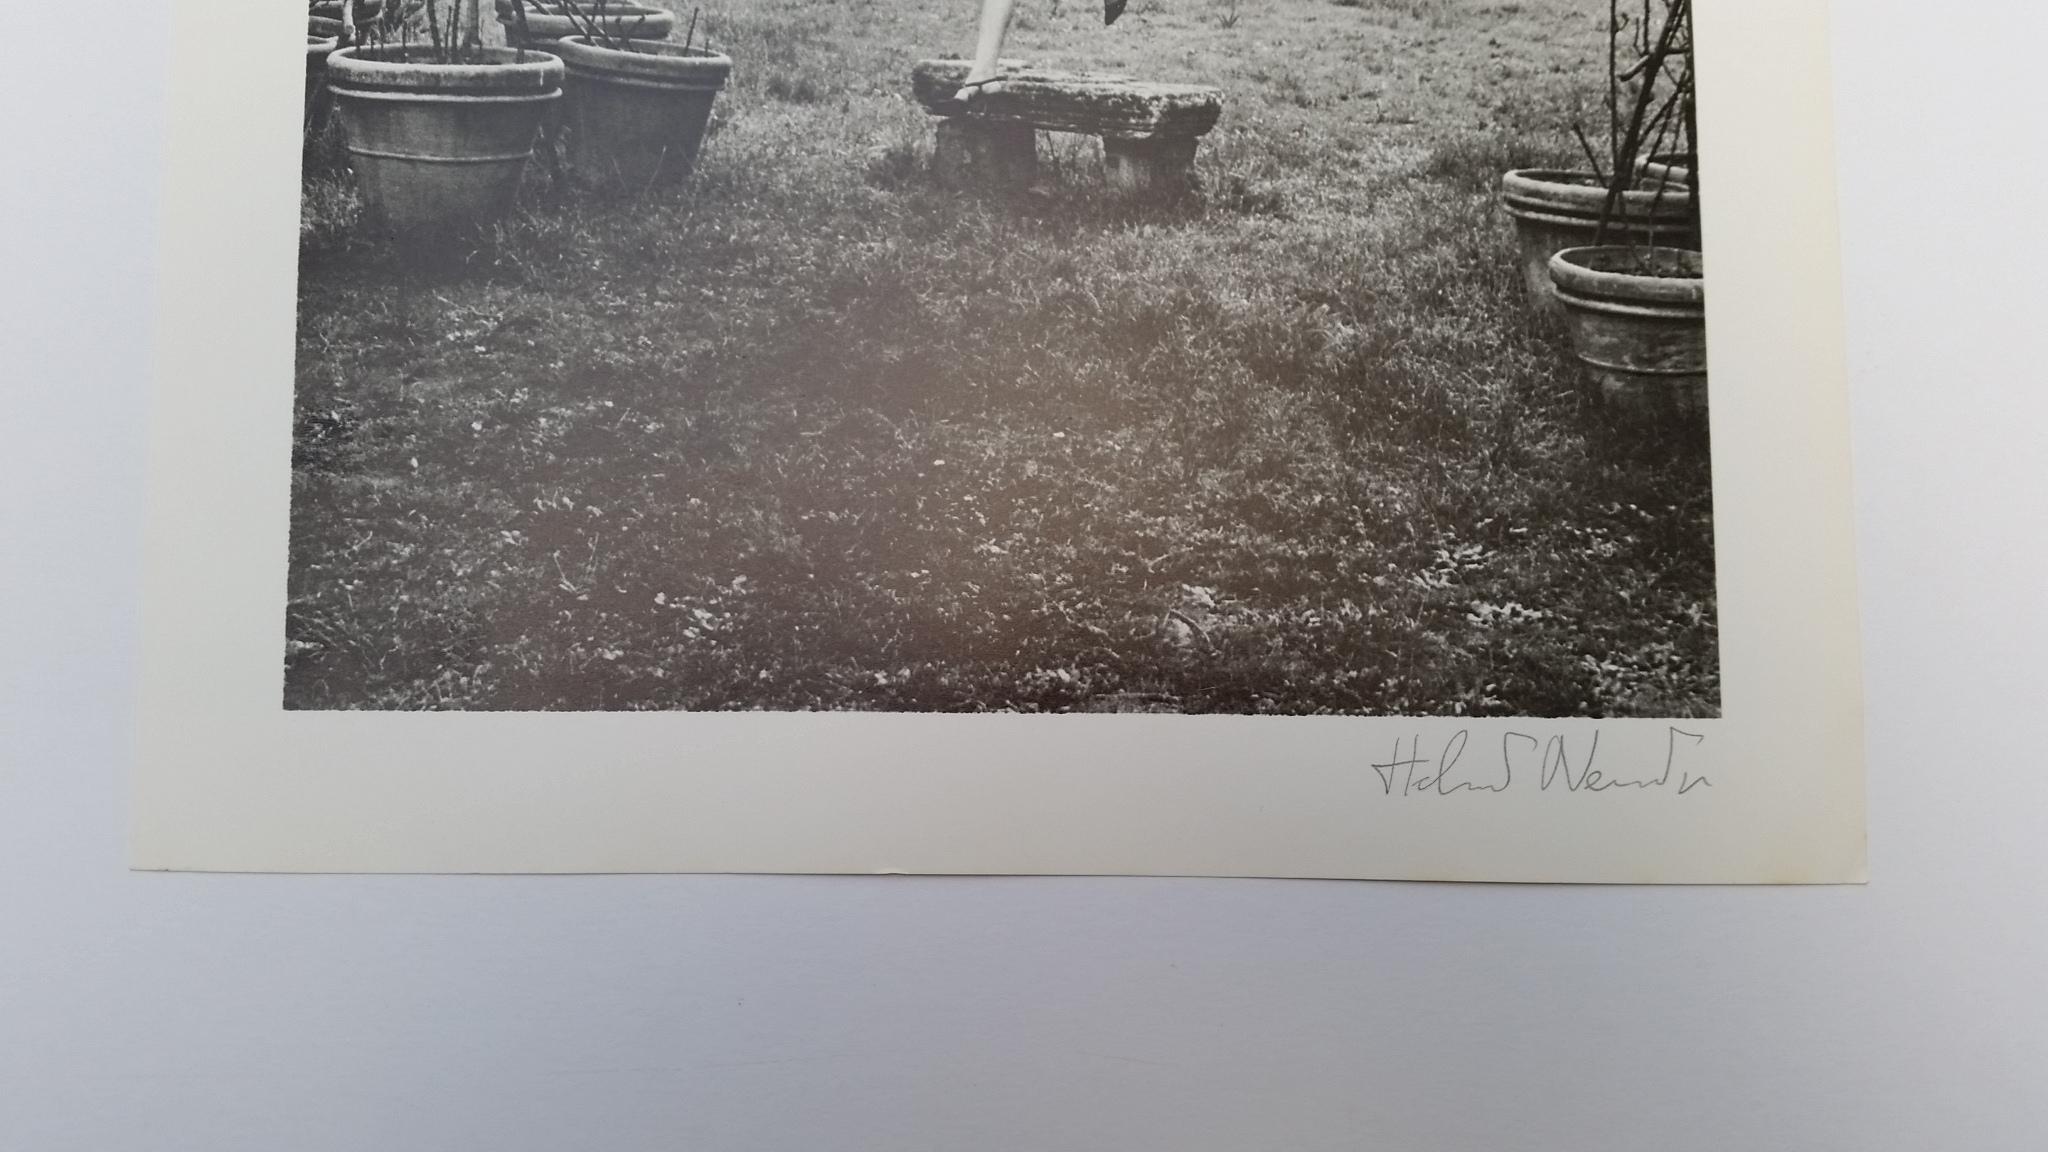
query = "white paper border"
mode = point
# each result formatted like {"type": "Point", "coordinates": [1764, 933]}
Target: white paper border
{"type": "Point", "coordinates": [227, 780]}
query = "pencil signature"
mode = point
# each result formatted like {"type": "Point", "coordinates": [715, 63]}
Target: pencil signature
{"type": "Point", "coordinates": [1554, 763]}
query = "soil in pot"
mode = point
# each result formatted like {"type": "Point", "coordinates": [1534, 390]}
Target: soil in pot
{"type": "Point", "coordinates": [1638, 324]}
{"type": "Point", "coordinates": [547, 23]}
{"type": "Point", "coordinates": [1556, 210]}
{"type": "Point", "coordinates": [637, 114]}
{"type": "Point", "coordinates": [435, 147]}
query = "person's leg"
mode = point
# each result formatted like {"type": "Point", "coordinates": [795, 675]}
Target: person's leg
{"type": "Point", "coordinates": [995, 23]}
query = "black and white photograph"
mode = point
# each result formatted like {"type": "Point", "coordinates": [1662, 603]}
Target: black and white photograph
{"type": "Point", "coordinates": [1174, 356]}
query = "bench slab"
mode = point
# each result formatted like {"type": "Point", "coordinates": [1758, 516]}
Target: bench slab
{"type": "Point", "coordinates": [1112, 107]}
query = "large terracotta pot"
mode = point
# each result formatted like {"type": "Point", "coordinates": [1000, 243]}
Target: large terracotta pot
{"type": "Point", "coordinates": [1638, 319]}
{"type": "Point", "coordinates": [439, 147]}
{"type": "Point", "coordinates": [1555, 210]}
{"type": "Point", "coordinates": [637, 115]}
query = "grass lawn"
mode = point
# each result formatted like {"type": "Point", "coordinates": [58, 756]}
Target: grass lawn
{"type": "Point", "coordinates": [817, 434]}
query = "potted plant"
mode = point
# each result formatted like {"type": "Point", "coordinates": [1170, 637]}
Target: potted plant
{"type": "Point", "coordinates": [1556, 209]}
{"type": "Point", "coordinates": [540, 23]}
{"type": "Point", "coordinates": [637, 109]}
{"type": "Point", "coordinates": [323, 17]}
{"type": "Point", "coordinates": [439, 127]}
{"type": "Point", "coordinates": [1636, 305]}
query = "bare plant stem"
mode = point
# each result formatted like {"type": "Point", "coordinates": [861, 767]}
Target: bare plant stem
{"type": "Point", "coordinates": [1613, 77]}
{"type": "Point", "coordinates": [1688, 117]}
{"type": "Point", "coordinates": [1591, 158]}
{"type": "Point", "coordinates": [434, 28]}
{"type": "Point", "coordinates": [519, 23]}
{"type": "Point", "coordinates": [1631, 139]}
{"type": "Point", "coordinates": [593, 28]}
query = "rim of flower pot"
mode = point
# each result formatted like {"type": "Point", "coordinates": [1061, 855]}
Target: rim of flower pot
{"type": "Point", "coordinates": [1669, 169]}
{"type": "Point", "coordinates": [552, 22]}
{"type": "Point", "coordinates": [655, 61]}
{"type": "Point", "coordinates": [332, 8]}
{"type": "Point", "coordinates": [1667, 160]}
{"type": "Point", "coordinates": [499, 71]}
{"type": "Point", "coordinates": [611, 12]}
{"type": "Point", "coordinates": [1601, 272]}
{"type": "Point", "coordinates": [1583, 195]}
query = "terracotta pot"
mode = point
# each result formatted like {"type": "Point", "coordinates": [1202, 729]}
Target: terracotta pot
{"type": "Point", "coordinates": [637, 116]}
{"type": "Point", "coordinates": [1555, 210]}
{"type": "Point", "coordinates": [1638, 319]}
{"type": "Point", "coordinates": [366, 10]}
{"type": "Point", "coordinates": [547, 22]}
{"type": "Point", "coordinates": [315, 115]}
{"type": "Point", "coordinates": [323, 17]}
{"type": "Point", "coordinates": [439, 147]}
{"type": "Point", "coordinates": [1666, 168]}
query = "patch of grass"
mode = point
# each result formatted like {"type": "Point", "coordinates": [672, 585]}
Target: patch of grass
{"type": "Point", "coordinates": [818, 434]}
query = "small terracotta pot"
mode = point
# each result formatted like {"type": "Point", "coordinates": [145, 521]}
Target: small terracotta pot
{"type": "Point", "coordinates": [1638, 319]}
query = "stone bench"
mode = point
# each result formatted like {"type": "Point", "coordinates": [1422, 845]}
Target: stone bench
{"type": "Point", "coordinates": [1149, 131]}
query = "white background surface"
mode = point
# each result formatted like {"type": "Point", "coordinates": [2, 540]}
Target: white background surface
{"type": "Point", "coordinates": [224, 1012]}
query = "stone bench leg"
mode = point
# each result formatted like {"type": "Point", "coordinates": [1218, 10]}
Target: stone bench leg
{"type": "Point", "coordinates": [977, 153]}
{"type": "Point", "coordinates": [1164, 167]}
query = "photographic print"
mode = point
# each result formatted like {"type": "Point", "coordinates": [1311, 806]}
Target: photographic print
{"type": "Point", "coordinates": [971, 437]}
{"type": "Point", "coordinates": [1196, 356]}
